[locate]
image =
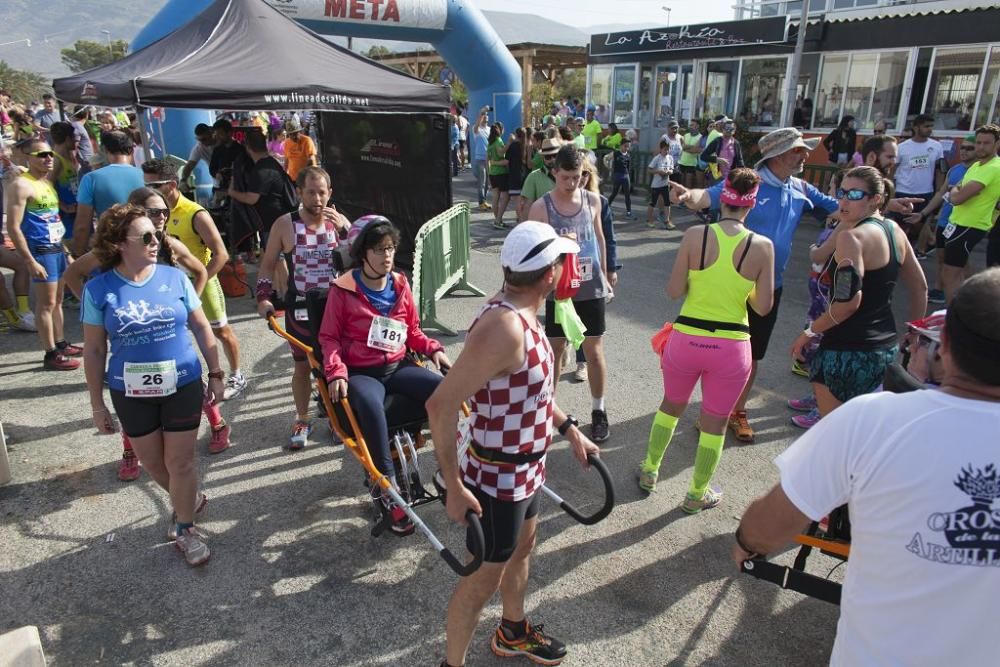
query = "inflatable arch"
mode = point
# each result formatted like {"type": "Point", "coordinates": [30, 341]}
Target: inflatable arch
{"type": "Point", "coordinates": [457, 29]}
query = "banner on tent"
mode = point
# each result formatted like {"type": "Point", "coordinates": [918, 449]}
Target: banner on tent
{"type": "Point", "coordinates": [430, 14]}
{"type": "Point", "coordinates": [396, 165]}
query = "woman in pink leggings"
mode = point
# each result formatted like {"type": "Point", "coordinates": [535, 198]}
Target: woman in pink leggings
{"type": "Point", "coordinates": [719, 270]}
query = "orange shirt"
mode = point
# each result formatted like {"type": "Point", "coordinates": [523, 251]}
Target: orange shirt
{"type": "Point", "coordinates": [298, 154]}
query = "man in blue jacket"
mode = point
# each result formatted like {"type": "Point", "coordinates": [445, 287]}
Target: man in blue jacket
{"type": "Point", "coordinates": [782, 202]}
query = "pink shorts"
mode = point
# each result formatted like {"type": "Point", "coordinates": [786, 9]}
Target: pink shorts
{"type": "Point", "coordinates": [722, 364]}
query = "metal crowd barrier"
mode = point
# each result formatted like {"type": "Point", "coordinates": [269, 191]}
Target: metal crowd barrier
{"type": "Point", "coordinates": [441, 263]}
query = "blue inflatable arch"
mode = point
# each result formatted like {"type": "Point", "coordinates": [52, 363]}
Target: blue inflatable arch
{"type": "Point", "coordinates": [457, 29]}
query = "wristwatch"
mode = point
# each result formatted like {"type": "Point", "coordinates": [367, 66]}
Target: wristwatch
{"type": "Point", "coordinates": [570, 421]}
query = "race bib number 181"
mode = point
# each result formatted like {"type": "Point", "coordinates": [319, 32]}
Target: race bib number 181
{"type": "Point", "coordinates": [387, 334]}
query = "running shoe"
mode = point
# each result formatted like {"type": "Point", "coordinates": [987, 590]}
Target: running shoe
{"type": "Point", "coordinates": [68, 349]}
{"type": "Point", "coordinates": [580, 374]}
{"type": "Point", "coordinates": [399, 522]}
{"type": "Point", "coordinates": [800, 368]}
{"type": "Point", "coordinates": [936, 296]}
{"type": "Point", "coordinates": [199, 507]}
{"type": "Point", "coordinates": [483, 206]}
{"type": "Point", "coordinates": [191, 544]}
{"type": "Point", "coordinates": [669, 226]}
{"type": "Point", "coordinates": [804, 404]}
{"type": "Point", "coordinates": [647, 480]}
{"type": "Point", "coordinates": [740, 427]}
{"type": "Point", "coordinates": [535, 645]}
{"type": "Point", "coordinates": [300, 435]}
{"type": "Point", "coordinates": [25, 322]}
{"type": "Point", "coordinates": [220, 440]}
{"type": "Point", "coordinates": [709, 499]}
{"type": "Point", "coordinates": [925, 255]}
{"type": "Point", "coordinates": [599, 430]}
{"type": "Point", "coordinates": [651, 224]}
{"type": "Point", "coordinates": [57, 361]}
{"type": "Point", "coordinates": [628, 214]}
{"type": "Point", "coordinates": [129, 468]}
{"type": "Point", "coordinates": [807, 420]}
{"type": "Point", "coordinates": [236, 384]}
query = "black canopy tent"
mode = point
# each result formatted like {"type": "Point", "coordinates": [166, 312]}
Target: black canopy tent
{"type": "Point", "coordinates": [244, 55]}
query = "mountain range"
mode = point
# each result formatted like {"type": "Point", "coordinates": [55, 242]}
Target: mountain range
{"type": "Point", "coordinates": [52, 26]}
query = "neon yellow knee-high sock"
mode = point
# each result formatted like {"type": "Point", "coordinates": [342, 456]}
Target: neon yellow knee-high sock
{"type": "Point", "coordinates": [705, 461]}
{"type": "Point", "coordinates": [659, 437]}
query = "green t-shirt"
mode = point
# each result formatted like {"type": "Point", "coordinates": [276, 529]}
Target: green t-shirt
{"type": "Point", "coordinates": [612, 141]}
{"type": "Point", "coordinates": [977, 212]}
{"type": "Point", "coordinates": [580, 141]}
{"type": "Point", "coordinates": [495, 153]}
{"type": "Point", "coordinates": [690, 159]}
{"type": "Point", "coordinates": [536, 184]}
{"type": "Point", "coordinates": [537, 161]}
{"type": "Point", "coordinates": [712, 136]}
{"type": "Point", "coordinates": [591, 132]}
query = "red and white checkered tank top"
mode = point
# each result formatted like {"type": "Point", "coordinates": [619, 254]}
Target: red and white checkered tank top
{"type": "Point", "coordinates": [312, 260]}
{"type": "Point", "coordinates": [513, 414]}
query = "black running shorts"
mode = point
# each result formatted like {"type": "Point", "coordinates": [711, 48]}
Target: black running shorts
{"type": "Point", "coordinates": [502, 523]}
{"type": "Point", "coordinates": [959, 244]}
{"type": "Point", "coordinates": [591, 312]}
{"type": "Point", "coordinates": [181, 411]}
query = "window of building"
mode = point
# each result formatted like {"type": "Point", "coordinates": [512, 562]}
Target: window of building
{"type": "Point", "coordinates": [953, 87]}
{"type": "Point", "coordinates": [762, 91]}
{"type": "Point", "coordinates": [646, 92]}
{"type": "Point", "coordinates": [805, 91]}
{"type": "Point", "coordinates": [868, 86]}
{"type": "Point", "coordinates": [989, 104]}
{"type": "Point", "coordinates": [721, 78]}
{"type": "Point", "coordinates": [624, 95]}
{"type": "Point", "coordinates": [672, 101]}
{"type": "Point", "coordinates": [600, 84]}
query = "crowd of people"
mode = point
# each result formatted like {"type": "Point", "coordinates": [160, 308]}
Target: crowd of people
{"type": "Point", "coordinates": [143, 259]}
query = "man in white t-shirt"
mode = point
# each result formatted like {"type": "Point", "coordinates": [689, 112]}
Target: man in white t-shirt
{"type": "Point", "coordinates": [672, 137]}
{"type": "Point", "coordinates": [660, 168]}
{"type": "Point", "coordinates": [920, 169]}
{"type": "Point", "coordinates": [920, 473]}
{"type": "Point", "coordinates": [463, 140]}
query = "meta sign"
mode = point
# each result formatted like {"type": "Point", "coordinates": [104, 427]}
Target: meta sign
{"type": "Point", "coordinates": [701, 36]}
{"type": "Point", "coordinates": [430, 14]}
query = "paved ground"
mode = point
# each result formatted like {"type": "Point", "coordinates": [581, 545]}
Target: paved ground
{"type": "Point", "coordinates": [295, 577]}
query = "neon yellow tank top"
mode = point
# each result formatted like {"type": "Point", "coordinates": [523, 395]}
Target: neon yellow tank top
{"type": "Point", "coordinates": [718, 292]}
{"type": "Point", "coordinates": [181, 227]}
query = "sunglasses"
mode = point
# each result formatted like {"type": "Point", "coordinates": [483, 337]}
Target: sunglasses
{"type": "Point", "coordinates": [852, 195]}
{"type": "Point", "coordinates": [157, 212]}
{"type": "Point", "coordinates": [42, 154]}
{"type": "Point", "coordinates": [149, 238]}
{"type": "Point", "coordinates": [158, 183]}
{"type": "Point", "coordinates": [966, 148]}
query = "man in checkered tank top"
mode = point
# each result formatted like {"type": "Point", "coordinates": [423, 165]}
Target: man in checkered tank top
{"type": "Point", "coordinates": [507, 367]}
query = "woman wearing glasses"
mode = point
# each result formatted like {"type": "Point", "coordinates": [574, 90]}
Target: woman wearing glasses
{"type": "Point", "coordinates": [154, 376]}
{"type": "Point", "coordinates": [369, 324]}
{"type": "Point", "coordinates": [172, 253]}
{"type": "Point", "coordinates": [858, 328]}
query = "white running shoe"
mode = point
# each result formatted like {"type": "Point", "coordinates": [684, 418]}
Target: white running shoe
{"type": "Point", "coordinates": [236, 384]}
{"type": "Point", "coordinates": [580, 374]}
{"type": "Point", "coordinates": [25, 322]}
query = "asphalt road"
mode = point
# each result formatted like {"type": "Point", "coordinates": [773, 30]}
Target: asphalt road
{"type": "Point", "coordinates": [295, 577]}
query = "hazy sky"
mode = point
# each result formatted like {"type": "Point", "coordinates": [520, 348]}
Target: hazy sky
{"type": "Point", "coordinates": [581, 13]}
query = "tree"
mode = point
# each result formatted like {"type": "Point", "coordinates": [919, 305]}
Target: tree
{"type": "Point", "coordinates": [22, 85]}
{"type": "Point", "coordinates": [377, 51]}
{"type": "Point", "coordinates": [87, 54]}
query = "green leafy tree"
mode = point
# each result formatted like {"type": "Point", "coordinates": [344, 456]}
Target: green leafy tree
{"type": "Point", "coordinates": [87, 54]}
{"type": "Point", "coordinates": [22, 85]}
{"type": "Point", "coordinates": [377, 51]}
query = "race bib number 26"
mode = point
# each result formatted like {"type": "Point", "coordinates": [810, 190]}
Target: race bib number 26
{"type": "Point", "coordinates": [150, 379]}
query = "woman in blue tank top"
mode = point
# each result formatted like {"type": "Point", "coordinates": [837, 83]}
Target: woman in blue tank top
{"type": "Point", "coordinates": [154, 376]}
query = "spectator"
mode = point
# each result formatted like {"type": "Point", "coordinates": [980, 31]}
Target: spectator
{"type": "Point", "coordinates": [479, 142]}
{"type": "Point", "coordinates": [47, 115]}
{"type": "Point", "coordinates": [103, 188]}
{"type": "Point", "coordinates": [621, 169]}
{"type": "Point", "coordinates": [200, 152]}
{"type": "Point", "coordinates": [724, 152]}
{"type": "Point", "coordinates": [841, 142]}
{"type": "Point", "coordinates": [300, 151]}
{"type": "Point", "coordinates": [497, 165]}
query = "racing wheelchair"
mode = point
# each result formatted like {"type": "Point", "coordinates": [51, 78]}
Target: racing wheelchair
{"type": "Point", "coordinates": [406, 419]}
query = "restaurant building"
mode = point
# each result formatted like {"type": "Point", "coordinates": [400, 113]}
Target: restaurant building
{"type": "Point", "coordinates": [876, 60]}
